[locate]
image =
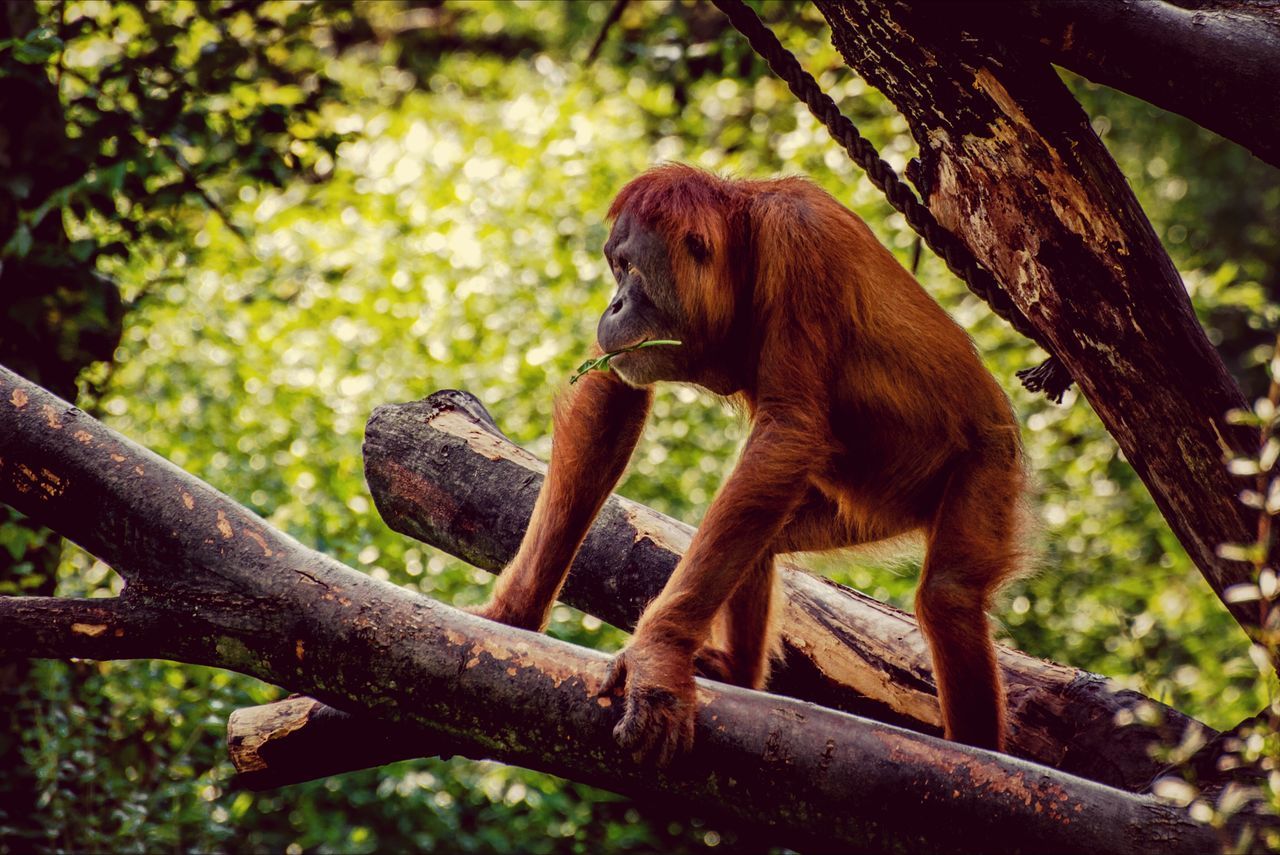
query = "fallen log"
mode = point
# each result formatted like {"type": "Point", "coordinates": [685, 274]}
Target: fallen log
{"type": "Point", "coordinates": [209, 582]}
{"type": "Point", "coordinates": [441, 471]}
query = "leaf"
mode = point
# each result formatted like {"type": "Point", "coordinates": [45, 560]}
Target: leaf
{"type": "Point", "coordinates": [1268, 584]}
{"type": "Point", "coordinates": [20, 186]}
{"type": "Point", "coordinates": [601, 363]}
{"type": "Point", "coordinates": [113, 176]}
{"type": "Point", "coordinates": [20, 244]}
{"type": "Point", "coordinates": [1236, 551]}
{"type": "Point", "coordinates": [1273, 497]}
{"type": "Point", "coordinates": [1270, 453]}
{"type": "Point", "coordinates": [37, 47]}
{"type": "Point", "coordinates": [1243, 466]}
{"type": "Point", "coordinates": [1241, 593]}
{"type": "Point", "coordinates": [82, 250]}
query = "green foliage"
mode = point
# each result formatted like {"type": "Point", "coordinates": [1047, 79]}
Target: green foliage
{"type": "Point", "coordinates": [439, 225]}
{"type": "Point", "coordinates": [163, 100]}
{"type": "Point", "coordinates": [601, 363]}
{"type": "Point", "coordinates": [138, 116]}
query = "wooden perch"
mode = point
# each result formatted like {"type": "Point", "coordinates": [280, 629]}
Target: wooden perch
{"type": "Point", "coordinates": [210, 583]}
{"type": "Point", "coordinates": [440, 471]}
{"type": "Point", "coordinates": [1009, 162]}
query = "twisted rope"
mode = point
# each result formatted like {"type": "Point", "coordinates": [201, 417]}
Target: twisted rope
{"type": "Point", "coordinates": [1051, 376]}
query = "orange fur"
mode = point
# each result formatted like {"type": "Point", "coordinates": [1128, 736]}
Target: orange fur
{"type": "Point", "coordinates": [872, 417]}
{"type": "Point", "coordinates": [597, 424]}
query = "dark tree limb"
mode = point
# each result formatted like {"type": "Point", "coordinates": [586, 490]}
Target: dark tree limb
{"type": "Point", "coordinates": [57, 627]}
{"type": "Point", "coordinates": [1009, 162]}
{"type": "Point", "coordinates": [440, 471]}
{"type": "Point", "coordinates": [300, 739]}
{"type": "Point", "coordinates": [213, 584]}
{"type": "Point", "coordinates": [1214, 63]}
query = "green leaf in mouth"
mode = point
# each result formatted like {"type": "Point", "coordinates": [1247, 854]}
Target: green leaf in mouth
{"type": "Point", "coordinates": [601, 363]}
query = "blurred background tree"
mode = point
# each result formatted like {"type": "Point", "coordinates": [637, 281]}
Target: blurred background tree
{"type": "Point", "coordinates": [233, 229]}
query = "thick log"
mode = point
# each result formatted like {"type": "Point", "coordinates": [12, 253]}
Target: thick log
{"type": "Point", "coordinates": [1010, 163]}
{"type": "Point", "coordinates": [1214, 63]}
{"type": "Point", "coordinates": [210, 583]}
{"type": "Point", "coordinates": [440, 471]}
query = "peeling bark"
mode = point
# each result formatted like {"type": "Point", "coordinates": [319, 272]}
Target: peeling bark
{"type": "Point", "coordinates": [210, 583]}
{"type": "Point", "coordinates": [1010, 163]}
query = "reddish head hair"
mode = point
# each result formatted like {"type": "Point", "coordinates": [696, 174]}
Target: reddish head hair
{"type": "Point", "coordinates": [702, 218]}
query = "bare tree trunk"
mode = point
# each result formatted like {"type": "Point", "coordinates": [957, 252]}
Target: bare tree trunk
{"type": "Point", "coordinates": [208, 582]}
{"type": "Point", "coordinates": [1010, 163]}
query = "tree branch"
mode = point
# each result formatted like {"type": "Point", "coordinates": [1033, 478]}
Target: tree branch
{"type": "Point", "coordinates": [440, 471]}
{"type": "Point", "coordinates": [1214, 63]}
{"type": "Point", "coordinates": [300, 739]}
{"type": "Point", "coordinates": [53, 627]}
{"type": "Point", "coordinates": [1010, 163]}
{"type": "Point", "coordinates": [226, 589]}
